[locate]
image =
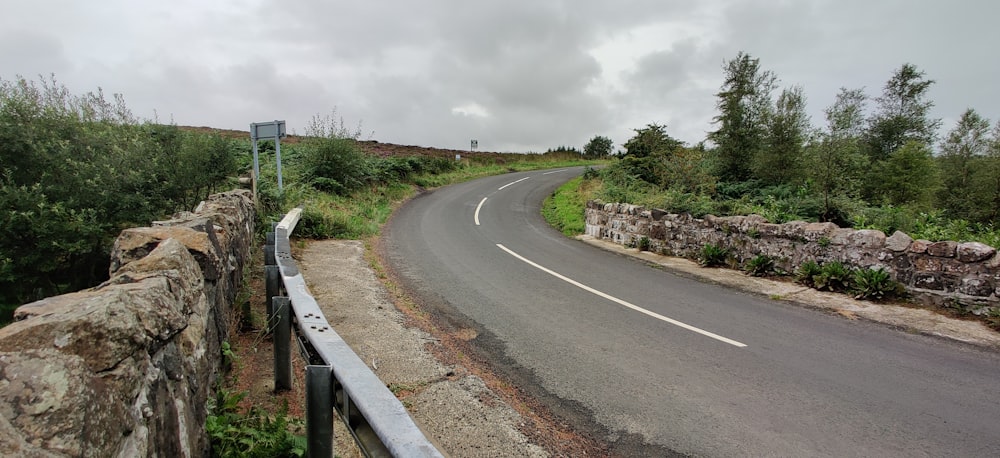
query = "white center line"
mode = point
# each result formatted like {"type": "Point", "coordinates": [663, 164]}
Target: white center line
{"type": "Point", "coordinates": [479, 207]}
{"type": "Point", "coordinates": [624, 303]}
{"type": "Point", "coordinates": [554, 171]}
{"type": "Point", "coordinates": [512, 183]}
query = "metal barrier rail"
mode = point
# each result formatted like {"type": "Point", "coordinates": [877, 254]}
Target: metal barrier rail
{"type": "Point", "coordinates": [337, 380]}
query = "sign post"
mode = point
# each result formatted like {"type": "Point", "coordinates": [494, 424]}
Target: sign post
{"type": "Point", "coordinates": [273, 130]}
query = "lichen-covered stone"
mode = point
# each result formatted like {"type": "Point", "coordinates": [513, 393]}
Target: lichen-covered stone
{"type": "Point", "coordinates": [974, 252]}
{"type": "Point", "coordinates": [126, 368]}
{"type": "Point", "coordinates": [898, 242]}
{"type": "Point", "coordinates": [919, 246]}
{"type": "Point", "coordinates": [867, 238]}
{"type": "Point", "coordinates": [975, 286]}
{"type": "Point", "coordinates": [928, 281]}
{"type": "Point", "coordinates": [944, 249]}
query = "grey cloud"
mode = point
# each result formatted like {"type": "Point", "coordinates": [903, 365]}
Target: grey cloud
{"type": "Point", "coordinates": [34, 53]}
{"type": "Point", "coordinates": [402, 67]}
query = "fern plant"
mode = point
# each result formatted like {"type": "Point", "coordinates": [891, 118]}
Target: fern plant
{"type": "Point", "coordinates": [834, 276]}
{"type": "Point", "coordinates": [807, 272]}
{"type": "Point", "coordinates": [712, 255]}
{"type": "Point", "coordinates": [875, 284]}
{"type": "Point", "coordinates": [250, 432]}
{"type": "Point", "coordinates": [760, 265]}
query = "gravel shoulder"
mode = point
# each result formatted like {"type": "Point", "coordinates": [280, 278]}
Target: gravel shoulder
{"type": "Point", "coordinates": [454, 407]}
{"type": "Point", "coordinates": [465, 409]}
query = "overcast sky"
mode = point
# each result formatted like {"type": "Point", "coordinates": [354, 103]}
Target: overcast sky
{"type": "Point", "coordinates": [517, 75]}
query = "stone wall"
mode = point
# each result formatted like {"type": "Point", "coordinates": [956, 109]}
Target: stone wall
{"type": "Point", "coordinates": [935, 273]}
{"type": "Point", "coordinates": [126, 368]}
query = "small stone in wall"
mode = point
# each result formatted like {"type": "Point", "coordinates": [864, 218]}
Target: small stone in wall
{"type": "Point", "coordinates": [974, 252]}
{"type": "Point", "coordinates": [944, 249]}
{"type": "Point", "coordinates": [927, 264]}
{"type": "Point", "coordinates": [841, 236]}
{"type": "Point", "coordinates": [919, 246]}
{"type": "Point", "coordinates": [898, 242]}
{"type": "Point", "coordinates": [867, 238]}
{"type": "Point", "coordinates": [975, 286]}
{"type": "Point", "coordinates": [927, 281]}
{"type": "Point", "coordinates": [815, 231]}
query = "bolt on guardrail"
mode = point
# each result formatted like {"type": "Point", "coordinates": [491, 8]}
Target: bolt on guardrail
{"type": "Point", "coordinates": [337, 380]}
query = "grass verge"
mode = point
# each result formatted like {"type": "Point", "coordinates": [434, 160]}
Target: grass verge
{"type": "Point", "coordinates": [565, 208]}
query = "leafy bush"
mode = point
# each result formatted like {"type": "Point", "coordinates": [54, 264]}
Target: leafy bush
{"type": "Point", "coordinates": [335, 165]}
{"type": "Point", "coordinates": [760, 265]}
{"type": "Point", "coordinates": [643, 244]}
{"type": "Point", "coordinates": [834, 276]}
{"type": "Point", "coordinates": [79, 169]}
{"type": "Point", "coordinates": [887, 219]}
{"type": "Point", "coordinates": [712, 255]}
{"type": "Point", "coordinates": [874, 284]}
{"type": "Point", "coordinates": [316, 224]}
{"type": "Point", "coordinates": [697, 205]}
{"type": "Point", "coordinates": [807, 273]}
{"type": "Point", "coordinates": [250, 432]}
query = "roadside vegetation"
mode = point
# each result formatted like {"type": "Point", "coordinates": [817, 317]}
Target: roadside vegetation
{"type": "Point", "coordinates": [78, 169]}
{"type": "Point", "coordinates": [876, 162]}
{"type": "Point", "coordinates": [347, 192]}
{"type": "Point", "coordinates": [564, 209]}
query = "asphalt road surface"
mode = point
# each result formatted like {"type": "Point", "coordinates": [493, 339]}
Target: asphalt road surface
{"type": "Point", "coordinates": [658, 364]}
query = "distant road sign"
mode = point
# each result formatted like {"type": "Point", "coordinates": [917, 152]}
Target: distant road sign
{"type": "Point", "coordinates": [266, 130]}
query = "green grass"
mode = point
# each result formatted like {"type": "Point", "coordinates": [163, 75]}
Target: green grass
{"type": "Point", "coordinates": [564, 209]}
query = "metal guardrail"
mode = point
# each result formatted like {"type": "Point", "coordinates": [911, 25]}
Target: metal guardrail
{"type": "Point", "coordinates": [337, 380]}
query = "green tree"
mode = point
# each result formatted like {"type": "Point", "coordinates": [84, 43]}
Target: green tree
{"type": "Point", "coordinates": [962, 152]}
{"type": "Point", "coordinates": [836, 163]}
{"type": "Point", "coordinates": [743, 103]}
{"type": "Point", "coordinates": [780, 161]}
{"type": "Point", "coordinates": [647, 150]}
{"type": "Point", "coordinates": [598, 147]}
{"type": "Point", "coordinates": [651, 139]}
{"type": "Point", "coordinates": [909, 177]}
{"type": "Point", "coordinates": [902, 114]}
{"type": "Point", "coordinates": [985, 182]}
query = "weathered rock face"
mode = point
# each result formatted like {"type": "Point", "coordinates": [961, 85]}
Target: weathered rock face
{"type": "Point", "coordinates": [126, 368]}
{"type": "Point", "coordinates": [935, 273]}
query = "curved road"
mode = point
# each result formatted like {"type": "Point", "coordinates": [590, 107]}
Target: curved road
{"type": "Point", "coordinates": [658, 364]}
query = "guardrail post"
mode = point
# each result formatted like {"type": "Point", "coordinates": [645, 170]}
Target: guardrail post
{"type": "Point", "coordinates": [269, 255]}
{"type": "Point", "coordinates": [319, 411]}
{"type": "Point", "coordinates": [272, 288]}
{"type": "Point", "coordinates": [282, 344]}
